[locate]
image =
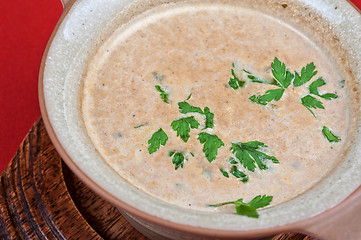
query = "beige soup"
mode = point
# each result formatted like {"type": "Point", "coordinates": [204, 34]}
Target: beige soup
{"type": "Point", "coordinates": [189, 49]}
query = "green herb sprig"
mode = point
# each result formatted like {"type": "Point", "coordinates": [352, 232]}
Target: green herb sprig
{"type": "Point", "coordinates": [329, 135]}
{"type": "Point", "coordinates": [248, 209]}
{"type": "Point", "coordinates": [163, 95]}
{"type": "Point", "coordinates": [185, 107]}
{"type": "Point", "coordinates": [249, 154]}
{"type": "Point", "coordinates": [158, 138]}
{"type": "Point", "coordinates": [283, 78]}
{"type": "Point", "coordinates": [234, 82]}
{"type": "Point", "coordinates": [211, 144]}
{"type": "Point", "coordinates": [183, 127]}
{"type": "Point", "coordinates": [178, 159]}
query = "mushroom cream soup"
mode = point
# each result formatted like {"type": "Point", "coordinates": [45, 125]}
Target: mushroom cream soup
{"type": "Point", "coordinates": [190, 49]}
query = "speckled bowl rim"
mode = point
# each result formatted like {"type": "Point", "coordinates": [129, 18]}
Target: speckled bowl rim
{"type": "Point", "coordinates": [295, 226]}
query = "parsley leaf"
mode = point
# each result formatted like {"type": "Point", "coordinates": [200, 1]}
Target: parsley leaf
{"type": "Point", "coordinates": [225, 173]}
{"type": "Point", "coordinates": [211, 144]}
{"type": "Point", "coordinates": [311, 102]}
{"type": "Point", "coordinates": [314, 89]}
{"type": "Point", "coordinates": [283, 79]}
{"type": "Point", "coordinates": [234, 82]}
{"type": "Point", "coordinates": [238, 174]}
{"type": "Point", "coordinates": [158, 138]}
{"type": "Point", "coordinates": [273, 94]}
{"type": "Point", "coordinates": [185, 107]}
{"type": "Point", "coordinates": [209, 118]}
{"type": "Point", "coordinates": [329, 135]}
{"type": "Point", "coordinates": [248, 209]}
{"type": "Point", "coordinates": [306, 74]}
{"type": "Point", "coordinates": [281, 74]}
{"type": "Point", "coordinates": [189, 97]}
{"type": "Point", "coordinates": [232, 160]}
{"type": "Point", "coordinates": [163, 94]}
{"type": "Point", "coordinates": [140, 125]}
{"type": "Point", "coordinates": [257, 99]}
{"type": "Point", "coordinates": [254, 78]}
{"type": "Point", "coordinates": [248, 154]}
{"type": "Point", "coordinates": [183, 125]}
{"type": "Point", "coordinates": [178, 159]}
{"type": "Point", "coordinates": [261, 201]}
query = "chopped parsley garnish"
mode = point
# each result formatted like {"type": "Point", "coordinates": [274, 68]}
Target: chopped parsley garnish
{"type": "Point", "coordinates": [314, 90]}
{"type": "Point", "coordinates": [140, 125]}
{"type": "Point", "coordinates": [158, 138]}
{"type": "Point", "coordinates": [189, 97]}
{"type": "Point", "coordinates": [234, 82]}
{"type": "Point", "coordinates": [310, 102]}
{"type": "Point", "coordinates": [248, 209]}
{"type": "Point", "coordinates": [211, 144]}
{"type": "Point", "coordinates": [185, 107]}
{"type": "Point", "coordinates": [253, 78]}
{"type": "Point", "coordinates": [329, 135]}
{"type": "Point", "coordinates": [235, 171]}
{"type": "Point", "coordinates": [232, 160]}
{"type": "Point", "coordinates": [183, 126]}
{"type": "Point", "coordinates": [273, 94]}
{"type": "Point", "coordinates": [249, 154]}
{"type": "Point", "coordinates": [178, 159]}
{"type": "Point", "coordinates": [239, 174]}
{"type": "Point", "coordinates": [225, 173]}
{"type": "Point", "coordinates": [282, 78]}
{"type": "Point", "coordinates": [164, 96]}
{"type": "Point", "coordinates": [306, 74]}
{"type": "Point", "coordinates": [209, 118]}
{"type": "Point", "coordinates": [281, 74]}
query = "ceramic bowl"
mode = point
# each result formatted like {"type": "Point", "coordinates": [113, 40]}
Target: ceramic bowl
{"type": "Point", "coordinates": [329, 210]}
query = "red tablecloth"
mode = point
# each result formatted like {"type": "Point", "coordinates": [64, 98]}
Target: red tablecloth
{"type": "Point", "coordinates": [25, 28]}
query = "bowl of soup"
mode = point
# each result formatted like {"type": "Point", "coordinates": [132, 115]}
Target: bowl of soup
{"type": "Point", "coordinates": [216, 119]}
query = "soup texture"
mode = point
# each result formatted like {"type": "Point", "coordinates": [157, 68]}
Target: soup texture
{"type": "Point", "coordinates": [189, 52]}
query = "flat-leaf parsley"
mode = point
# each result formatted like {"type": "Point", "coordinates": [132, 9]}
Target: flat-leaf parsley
{"type": "Point", "coordinates": [183, 126]}
{"type": "Point", "coordinates": [329, 135]}
{"type": "Point", "coordinates": [163, 95]}
{"type": "Point", "coordinates": [178, 159]}
{"type": "Point", "coordinates": [314, 89]}
{"type": "Point", "coordinates": [158, 138]}
{"type": "Point", "coordinates": [249, 153]}
{"type": "Point", "coordinates": [211, 144]}
{"type": "Point", "coordinates": [248, 209]}
{"type": "Point", "coordinates": [234, 82]}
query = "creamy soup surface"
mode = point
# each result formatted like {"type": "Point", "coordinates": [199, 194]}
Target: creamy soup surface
{"type": "Point", "coordinates": [190, 49]}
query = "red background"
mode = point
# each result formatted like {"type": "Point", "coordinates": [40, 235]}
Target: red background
{"type": "Point", "coordinates": [25, 27]}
